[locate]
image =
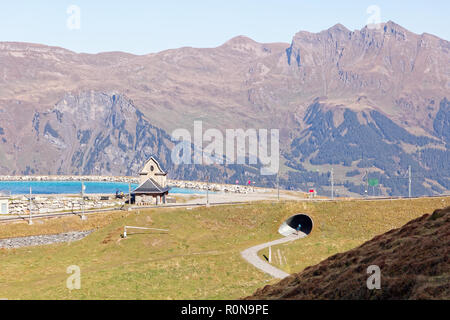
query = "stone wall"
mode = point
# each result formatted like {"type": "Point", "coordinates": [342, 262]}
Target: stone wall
{"type": "Point", "coordinates": [71, 178]}
{"type": "Point", "coordinates": [199, 185]}
{"type": "Point", "coordinates": [215, 187]}
{"type": "Point", "coordinates": [40, 205]}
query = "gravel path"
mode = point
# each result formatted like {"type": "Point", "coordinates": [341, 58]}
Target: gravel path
{"type": "Point", "coordinates": [251, 255]}
{"type": "Point", "coordinates": [43, 240]}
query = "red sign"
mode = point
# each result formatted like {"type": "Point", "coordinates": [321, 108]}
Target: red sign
{"type": "Point", "coordinates": [311, 190]}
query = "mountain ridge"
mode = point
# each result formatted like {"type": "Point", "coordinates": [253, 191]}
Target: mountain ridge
{"type": "Point", "coordinates": [243, 84]}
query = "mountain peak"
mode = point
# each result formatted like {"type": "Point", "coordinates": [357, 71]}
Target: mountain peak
{"type": "Point", "coordinates": [338, 27]}
{"type": "Point", "coordinates": [389, 27]}
{"type": "Point", "coordinates": [393, 27]}
{"type": "Point", "coordinates": [239, 40]}
{"type": "Point", "coordinates": [392, 24]}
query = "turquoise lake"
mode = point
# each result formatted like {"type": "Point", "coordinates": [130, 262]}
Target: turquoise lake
{"type": "Point", "coordinates": [74, 187]}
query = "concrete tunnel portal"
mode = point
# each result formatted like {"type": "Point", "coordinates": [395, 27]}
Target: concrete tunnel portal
{"type": "Point", "coordinates": [289, 227]}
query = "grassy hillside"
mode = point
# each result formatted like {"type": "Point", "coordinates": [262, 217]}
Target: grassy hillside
{"type": "Point", "coordinates": [198, 259]}
{"type": "Point", "coordinates": [341, 226]}
{"type": "Point", "coordinates": [412, 260]}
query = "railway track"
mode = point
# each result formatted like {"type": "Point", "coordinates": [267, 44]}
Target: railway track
{"type": "Point", "coordinates": [90, 212]}
{"type": "Point", "coordinates": [122, 209]}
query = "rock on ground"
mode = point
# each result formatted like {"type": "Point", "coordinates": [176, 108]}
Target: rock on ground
{"type": "Point", "coordinates": [43, 239]}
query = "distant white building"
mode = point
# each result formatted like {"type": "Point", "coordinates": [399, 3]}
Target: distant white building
{"type": "Point", "coordinates": [4, 204]}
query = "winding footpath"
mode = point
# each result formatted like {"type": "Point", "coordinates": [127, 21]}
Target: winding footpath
{"type": "Point", "coordinates": [251, 255]}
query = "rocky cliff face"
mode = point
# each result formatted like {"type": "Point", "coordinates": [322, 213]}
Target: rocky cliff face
{"type": "Point", "coordinates": [441, 123]}
{"type": "Point", "coordinates": [95, 133]}
{"type": "Point", "coordinates": [98, 133]}
{"type": "Point", "coordinates": [396, 71]}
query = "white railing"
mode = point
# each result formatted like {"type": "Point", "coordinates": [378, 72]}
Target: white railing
{"type": "Point", "coordinates": [5, 193]}
{"type": "Point", "coordinates": [141, 228]}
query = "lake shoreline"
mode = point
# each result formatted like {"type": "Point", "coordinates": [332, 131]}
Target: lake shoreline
{"type": "Point", "coordinates": [86, 178]}
{"type": "Point", "coordinates": [182, 184]}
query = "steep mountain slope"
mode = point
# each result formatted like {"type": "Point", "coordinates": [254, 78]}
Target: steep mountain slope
{"type": "Point", "coordinates": [413, 261]}
{"type": "Point", "coordinates": [393, 69]}
{"type": "Point", "coordinates": [397, 79]}
{"type": "Point", "coordinates": [104, 133]}
{"type": "Point", "coordinates": [96, 132]}
{"type": "Point", "coordinates": [367, 140]}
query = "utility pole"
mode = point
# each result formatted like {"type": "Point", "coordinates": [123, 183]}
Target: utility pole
{"type": "Point", "coordinates": [30, 221]}
{"type": "Point", "coordinates": [278, 186]}
{"type": "Point", "coordinates": [82, 201]}
{"type": "Point", "coordinates": [367, 183]}
{"type": "Point", "coordinates": [332, 184]}
{"type": "Point", "coordinates": [409, 181]}
{"type": "Point", "coordinates": [129, 194]}
{"type": "Point", "coordinates": [207, 191]}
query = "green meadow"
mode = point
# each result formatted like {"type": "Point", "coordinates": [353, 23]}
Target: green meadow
{"type": "Point", "coordinates": [199, 258]}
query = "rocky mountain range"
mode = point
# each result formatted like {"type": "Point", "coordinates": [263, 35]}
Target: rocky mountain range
{"type": "Point", "coordinates": [370, 103]}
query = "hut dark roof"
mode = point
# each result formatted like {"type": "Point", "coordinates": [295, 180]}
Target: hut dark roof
{"type": "Point", "coordinates": [150, 186]}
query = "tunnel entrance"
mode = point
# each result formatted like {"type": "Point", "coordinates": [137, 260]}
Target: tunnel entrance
{"type": "Point", "coordinates": [289, 227]}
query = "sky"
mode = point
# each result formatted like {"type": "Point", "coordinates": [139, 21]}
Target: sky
{"type": "Point", "coordinates": [147, 26]}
